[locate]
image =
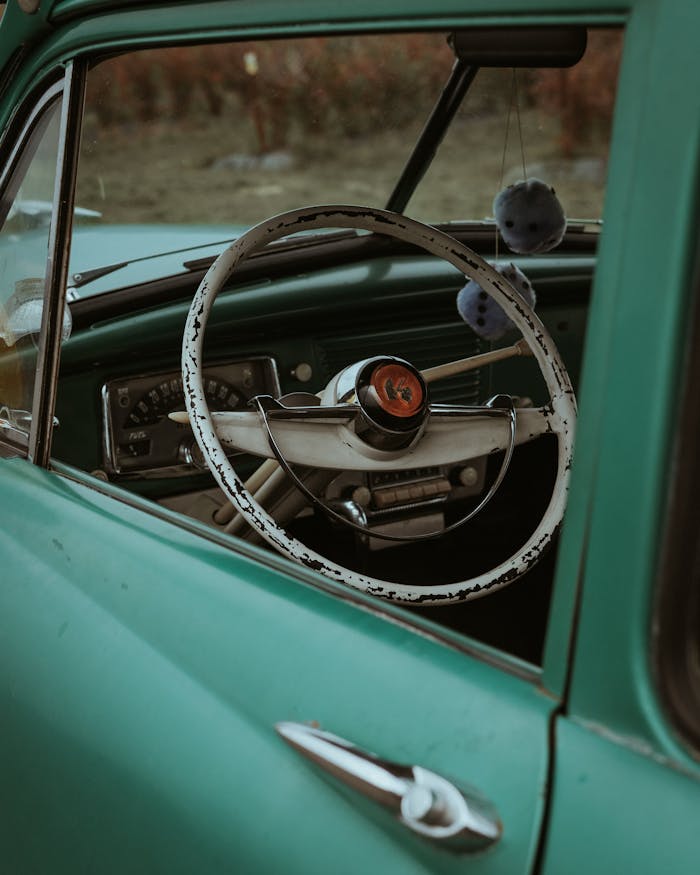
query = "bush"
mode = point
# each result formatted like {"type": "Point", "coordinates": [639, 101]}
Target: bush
{"type": "Point", "coordinates": [287, 88]}
{"type": "Point", "coordinates": [583, 97]}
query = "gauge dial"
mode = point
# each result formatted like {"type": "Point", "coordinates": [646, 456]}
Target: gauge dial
{"type": "Point", "coordinates": [140, 438]}
{"type": "Point", "coordinates": [168, 396]}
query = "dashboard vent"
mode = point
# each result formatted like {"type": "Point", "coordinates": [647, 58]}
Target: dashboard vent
{"type": "Point", "coordinates": [423, 347]}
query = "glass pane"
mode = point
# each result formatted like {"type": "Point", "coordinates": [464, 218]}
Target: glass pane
{"type": "Point", "coordinates": [24, 239]}
{"type": "Point", "coordinates": [234, 133]}
{"type": "Point", "coordinates": [550, 124]}
{"type": "Point", "coordinates": [216, 138]}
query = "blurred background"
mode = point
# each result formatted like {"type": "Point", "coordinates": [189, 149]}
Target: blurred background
{"type": "Point", "coordinates": [232, 133]}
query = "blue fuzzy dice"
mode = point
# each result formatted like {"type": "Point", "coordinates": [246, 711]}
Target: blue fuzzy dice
{"type": "Point", "coordinates": [529, 216]}
{"type": "Point", "coordinates": [482, 314]}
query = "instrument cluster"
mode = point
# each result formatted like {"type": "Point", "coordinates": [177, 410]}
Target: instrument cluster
{"type": "Point", "coordinates": [139, 439]}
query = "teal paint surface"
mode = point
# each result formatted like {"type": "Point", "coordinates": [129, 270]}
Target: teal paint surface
{"type": "Point", "coordinates": [618, 809]}
{"type": "Point", "coordinates": [144, 670]}
{"type": "Point", "coordinates": [631, 376]}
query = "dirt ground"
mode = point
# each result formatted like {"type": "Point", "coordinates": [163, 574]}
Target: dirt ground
{"type": "Point", "coordinates": [204, 172]}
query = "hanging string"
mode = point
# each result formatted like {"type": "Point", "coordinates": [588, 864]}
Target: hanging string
{"type": "Point", "coordinates": [513, 99]}
{"type": "Point", "coordinates": [505, 138]}
{"type": "Point", "coordinates": [520, 127]}
{"type": "Point", "coordinates": [503, 158]}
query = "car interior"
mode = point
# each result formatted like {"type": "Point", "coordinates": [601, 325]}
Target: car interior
{"type": "Point", "coordinates": [184, 147]}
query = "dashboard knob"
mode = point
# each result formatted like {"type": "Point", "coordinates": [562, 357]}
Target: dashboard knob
{"type": "Point", "coordinates": [303, 372]}
{"type": "Point", "coordinates": [189, 453]}
{"type": "Point", "coordinates": [468, 476]}
{"type": "Point", "coordinates": [361, 496]}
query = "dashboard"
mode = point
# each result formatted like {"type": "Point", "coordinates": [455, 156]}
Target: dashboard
{"type": "Point", "coordinates": [120, 373]}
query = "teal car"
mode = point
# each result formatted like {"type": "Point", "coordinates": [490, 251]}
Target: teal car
{"type": "Point", "coordinates": [348, 428]}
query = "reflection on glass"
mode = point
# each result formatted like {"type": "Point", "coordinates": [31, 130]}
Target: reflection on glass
{"type": "Point", "coordinates": [24, 239]}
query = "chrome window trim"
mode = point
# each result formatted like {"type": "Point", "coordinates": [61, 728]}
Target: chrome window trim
{"type": "Point", "coordinates": [45, 386]}
{"type": "Point", "coordinates": [33, 121]}
{"type": "Point", "coordinates": [35, 124]}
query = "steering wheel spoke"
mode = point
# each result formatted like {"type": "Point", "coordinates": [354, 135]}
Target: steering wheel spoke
{"type": "Point", "coordinates": [302, 433]}
{"type": "Point", "coordinates": [455, 433]}
{"type": "Point", "coordinates": [326, 435]}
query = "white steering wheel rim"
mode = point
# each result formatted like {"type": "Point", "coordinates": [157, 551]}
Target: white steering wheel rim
{"type": "Point", "coordinates": [562, 404]}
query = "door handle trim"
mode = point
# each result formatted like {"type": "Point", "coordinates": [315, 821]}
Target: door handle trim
{"type": "Point", "coordinates": [425, 802]}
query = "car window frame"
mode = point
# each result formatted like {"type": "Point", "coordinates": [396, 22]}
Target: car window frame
{"type": "Point", "coordinates": [67, 85]}
{"type": "Point", "coordinates": [675, 638]}
{"type": "Point", "coordinates": [18, 151]}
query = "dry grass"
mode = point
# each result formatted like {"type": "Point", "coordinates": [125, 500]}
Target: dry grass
{"type": "Point", "coordinates": [161, 126]}
{"type": "Point", "coordinates": [167, 172]}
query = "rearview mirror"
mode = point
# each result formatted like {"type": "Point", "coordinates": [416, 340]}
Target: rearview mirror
{"type": "Point", "coordinates": [520, 47]}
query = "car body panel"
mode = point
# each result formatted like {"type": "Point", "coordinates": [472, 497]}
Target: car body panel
{"type": "Point", "coordinates": [147, 253]}
{"type": "Point", "coordinates": [160, 671]}
{"type": "Point", "coordinates": [639, 821]}
{"type": "Point", "coordinates": [630, 382]}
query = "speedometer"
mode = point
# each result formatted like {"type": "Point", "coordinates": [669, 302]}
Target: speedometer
{"type": "Point", "coordinates": [140, 439]}
{"type": "Point", "coordinates": [168, 396]}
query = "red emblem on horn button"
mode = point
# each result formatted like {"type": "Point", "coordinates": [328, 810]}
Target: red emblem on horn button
{"type": "Point", "coordinates": [399, 392]}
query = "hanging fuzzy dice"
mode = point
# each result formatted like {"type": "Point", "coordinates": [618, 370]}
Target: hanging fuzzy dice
{"type": "Point", "coordinates": [482, 314]}
{"type": "Point", "coordinates": [529, 216]}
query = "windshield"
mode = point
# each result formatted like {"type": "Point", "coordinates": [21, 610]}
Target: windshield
{"type": "Point", "coordinates": [219, 137]}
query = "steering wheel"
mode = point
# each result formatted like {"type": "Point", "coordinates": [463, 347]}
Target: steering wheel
{"type": "Point", "coordinates": [353, 429]}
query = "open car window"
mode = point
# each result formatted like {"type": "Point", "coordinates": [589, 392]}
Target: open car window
{"type": "Point", "coordinates": [234, 132]}
{"type": "Point", "coordinates": [184, 148]}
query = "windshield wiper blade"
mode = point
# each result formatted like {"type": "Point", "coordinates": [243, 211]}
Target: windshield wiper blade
{"type": "Point", "coordinates": [286, 244]}
{"type": "Point", "coordinates": [83, 277]}
{"type": "Point", "coordinates": [87, 276]}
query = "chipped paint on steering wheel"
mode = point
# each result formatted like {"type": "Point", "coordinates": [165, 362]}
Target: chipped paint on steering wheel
{"type": "Point", "coordinates": [561, 408]}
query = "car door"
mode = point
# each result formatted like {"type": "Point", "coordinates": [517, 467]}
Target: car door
{"type": "Point", "coordinates": [145, 666]}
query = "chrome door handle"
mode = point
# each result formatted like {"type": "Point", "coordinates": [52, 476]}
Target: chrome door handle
{"type": "Point", "coordinates": [426, 803]}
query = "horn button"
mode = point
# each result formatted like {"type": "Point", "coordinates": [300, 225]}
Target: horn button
{"type": "Point", "coordinates": [393, 398]}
